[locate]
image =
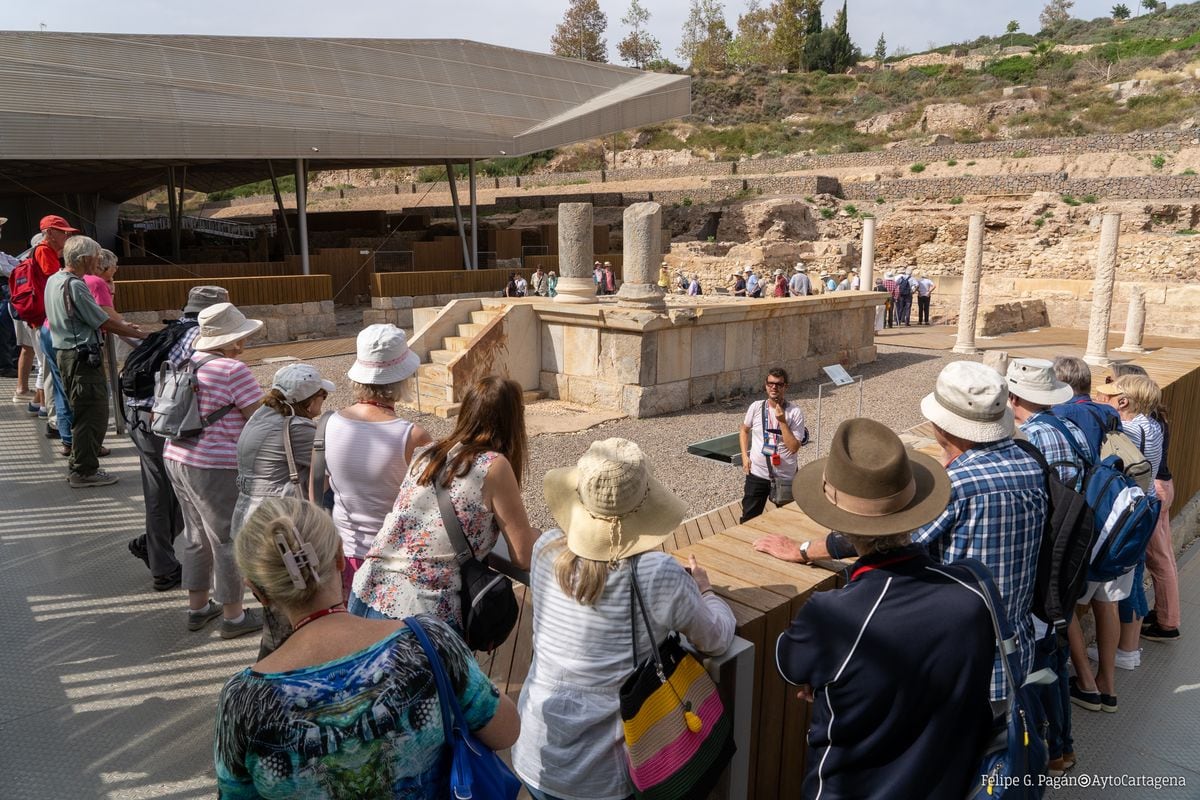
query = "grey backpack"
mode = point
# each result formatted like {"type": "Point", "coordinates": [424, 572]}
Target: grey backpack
{"type": "Point", "coordinates": [176, 412]}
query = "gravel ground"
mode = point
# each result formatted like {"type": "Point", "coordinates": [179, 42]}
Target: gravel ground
{"type": "Point", "coordinates": [892, 391]}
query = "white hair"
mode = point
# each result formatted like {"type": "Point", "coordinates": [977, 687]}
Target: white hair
{"type": "Point", "coordinates": [78, 248]}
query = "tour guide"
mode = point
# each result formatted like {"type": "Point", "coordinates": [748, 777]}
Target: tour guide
{"type": "Point", "coordinates": [771, 436]}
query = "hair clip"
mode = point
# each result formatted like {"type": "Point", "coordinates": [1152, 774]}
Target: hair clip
{"type": "Point", "coordinates": [295, 561]}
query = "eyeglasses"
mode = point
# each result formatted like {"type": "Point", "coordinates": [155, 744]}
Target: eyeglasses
{"type": "Point", "coordinates": [776, 383]}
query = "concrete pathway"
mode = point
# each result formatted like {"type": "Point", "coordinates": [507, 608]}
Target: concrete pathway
{"type": "Point", "coordinates": [107, 695]}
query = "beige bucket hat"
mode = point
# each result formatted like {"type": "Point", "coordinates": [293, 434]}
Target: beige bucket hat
{"type": "Point", "coordinates": [970, 400]}
{"type": "Point", "coordinates": [223, 324]}
{"type": "Point", "coordinates": [609, 504]}
{"type": "Point", "coordinates": [1033, 379]}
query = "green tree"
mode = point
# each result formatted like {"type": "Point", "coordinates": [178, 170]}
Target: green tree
{"type": "Point", "coordinates": [638, 47]}
{"type": "Point", "coordinates": [581, 32]}
{"type": "Point", "coordinates": [1012, 27]}
{"type": "Point", "coordinates": [1151, 5]}
{"type": "Point", "coordinates": [706, 37]}
{"type": "Point", "coordinates": [831, 50]}
{"type": "Point", "coordinates": [794, 21]}
{"type": "Point", "coordinates": [1055, 14]}
{"type": "Point", "coordinates": [881, 49]}
{"type": "Point", "coordinates": [1120, 12]}
{"type": "Point", "coordinates": [753, 45]}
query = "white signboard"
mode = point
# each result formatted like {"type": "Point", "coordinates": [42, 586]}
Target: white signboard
{"type": "Point", "coordinates": [837, 373]}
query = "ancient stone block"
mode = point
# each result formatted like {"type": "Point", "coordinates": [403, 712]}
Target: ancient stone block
{"type": "Point", "coordinates": [276, 329]}
{"type": "Point", "coordinates": [674, 355]}
{"type": "Point", "coordinates": [620, 356]}
{"type": "Point", "coordinates": [708, 349]}
{"type": "Point", "coordinates": [702, 390]}
{"type": "Point", "coordinates": [580, 350]}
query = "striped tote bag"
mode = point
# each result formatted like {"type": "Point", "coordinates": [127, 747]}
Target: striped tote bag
{"type": "Point", "coordinates": [678, 736]}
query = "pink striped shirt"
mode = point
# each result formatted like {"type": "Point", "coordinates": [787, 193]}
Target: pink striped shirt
{"type": "Point", "coordinates": [222, 381]}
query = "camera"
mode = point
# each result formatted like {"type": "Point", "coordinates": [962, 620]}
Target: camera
{"type": "Point", "coordinates": [90, 354]}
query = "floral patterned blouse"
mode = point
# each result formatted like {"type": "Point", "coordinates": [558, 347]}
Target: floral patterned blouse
{"type": "Point", "coordinates": [411, 568]}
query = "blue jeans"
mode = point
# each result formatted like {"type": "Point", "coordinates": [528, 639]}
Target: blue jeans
{"type": "Point", "coordinates": [1055, 697]}
{"type": "Point", "coordinates": [61, 407]}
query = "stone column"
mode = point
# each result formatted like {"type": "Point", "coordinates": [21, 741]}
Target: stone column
{"type": "Point", "coordinates": [642, 238]}
{"type": "Point", "coordinates": [968, 308]}
{"type": "Point", "coordinates": [866, 272]}
{"type": "Point", "coordinates": [1102, 292]}
{"type": "Point", "coordinates": [575, 254]}
{"type": "Point", "coordinates": [1135, 322]}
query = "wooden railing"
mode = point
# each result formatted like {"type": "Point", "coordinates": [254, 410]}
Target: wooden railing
{"type": "Point", "coordinates": [245, 269]}
{"type": "Point", "coordinates": [265, 290]}
{"type": "Point", "coordinates": [454, 281]}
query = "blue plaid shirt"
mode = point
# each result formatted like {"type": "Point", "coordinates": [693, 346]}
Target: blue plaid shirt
{"type": "Point", "coordinates": [1057, 450]}
{"type": "Point", "coordinates": [996, 513]}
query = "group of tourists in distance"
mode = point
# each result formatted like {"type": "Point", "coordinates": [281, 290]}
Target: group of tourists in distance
{"type": "Point", "coordinates": [354, 530]}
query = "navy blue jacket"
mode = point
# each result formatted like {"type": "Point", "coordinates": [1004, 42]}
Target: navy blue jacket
{"type": "Point", "coordinates": [900, 661]}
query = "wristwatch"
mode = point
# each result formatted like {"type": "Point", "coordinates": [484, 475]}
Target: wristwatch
{"type": "Point", "coordinates": [804, 559]}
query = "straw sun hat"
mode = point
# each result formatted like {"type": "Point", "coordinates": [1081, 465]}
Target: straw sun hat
{"type": "Point", "coordinates": [870, 484]}
{"type": "Point", "coordinates": [609, 504]}
{"type": "Point", "coordinates": [222, 324]}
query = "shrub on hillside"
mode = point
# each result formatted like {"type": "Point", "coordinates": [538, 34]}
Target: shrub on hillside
{"type": "Point", "coordinates": [1015, 69]}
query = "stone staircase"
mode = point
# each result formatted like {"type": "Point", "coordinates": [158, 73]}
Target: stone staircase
{"type": "Point", "coordinates": [434, 389]}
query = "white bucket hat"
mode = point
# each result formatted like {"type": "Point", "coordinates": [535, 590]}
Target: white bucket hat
{"type": "Point", "coordinates": [222, 324]}
{"type": "Point", "coordinates": [970, 401]}
{"type": "Point", "coordinates": [1033, 379]}
{"type": "Point", "coordinates": [298, 382]}
{"type": "Point", "coordinates": [778, 272]}
{"type": "Point", "coordinates": [889, 274]}
{"type": "Point", "coordinates": [383, 356]}
{"type": "Point", "coordinates": [799, 268]}
{"type": "Point", "coordinates": [609, 504]}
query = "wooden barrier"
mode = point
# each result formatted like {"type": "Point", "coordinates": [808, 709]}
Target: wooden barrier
{"type": "Point", "coordinates": [263, 290]}
{"type": "Point", "coordinates": [1177, 372]}
{"type": "Point", "coordinates": [455, 281]}
{"type": "Point", "coordinates": [348, 268]}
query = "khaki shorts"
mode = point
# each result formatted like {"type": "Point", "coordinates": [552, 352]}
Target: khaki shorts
{"type": "Point", "coordinates": [1108, 591]}
{"type": "Point", "coordinates": [27, 336]}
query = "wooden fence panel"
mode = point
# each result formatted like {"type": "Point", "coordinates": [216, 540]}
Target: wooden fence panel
{"type": "Point", "coordinates": [1177, 371]}
{"type": "Point", "coordinates": [159, 272]}
{"type": "Point", "coordinates": [458, 281]}
{"type": "Point", "coordinates": [350, 270]}
{"type": "Point", "coordinates": [265, 290]}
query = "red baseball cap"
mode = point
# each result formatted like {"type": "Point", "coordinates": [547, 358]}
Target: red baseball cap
{"type": "Point", "coordinates": [58, 223]}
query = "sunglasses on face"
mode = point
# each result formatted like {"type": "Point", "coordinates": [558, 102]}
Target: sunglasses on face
{"type": "Point", "coordinates": [776, 383]}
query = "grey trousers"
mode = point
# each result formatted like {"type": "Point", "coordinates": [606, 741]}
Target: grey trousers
{"type": "Point", "coordinates": [207, 498]}
{"type": "Point", "coordinates": [164, 517]}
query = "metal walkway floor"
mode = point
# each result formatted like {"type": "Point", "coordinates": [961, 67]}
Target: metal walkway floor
{"type": "Point", "coordinates": [107, 695]}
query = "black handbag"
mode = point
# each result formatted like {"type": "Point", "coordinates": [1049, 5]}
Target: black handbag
{"type": "Point", "coordinates": [489, 604]}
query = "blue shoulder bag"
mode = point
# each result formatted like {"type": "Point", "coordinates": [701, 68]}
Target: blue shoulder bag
{"type": "Point", "coordinates": [476, 772]}
{"type": "Point", "coordinates": [1013, 762]}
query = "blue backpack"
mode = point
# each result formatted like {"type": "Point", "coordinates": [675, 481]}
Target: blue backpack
{"type": "Point", "coordinates": [1125, 515]}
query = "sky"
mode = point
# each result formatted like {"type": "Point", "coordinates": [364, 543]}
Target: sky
{"type": "Point", "coordinates": [525, 24]}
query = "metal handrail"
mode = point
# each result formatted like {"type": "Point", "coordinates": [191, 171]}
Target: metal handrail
{"type": "Point", "coordinates": [216, 227]}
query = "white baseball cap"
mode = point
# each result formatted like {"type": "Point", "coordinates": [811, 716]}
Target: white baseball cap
{"type": "Point", "coordinates": [298, 382]}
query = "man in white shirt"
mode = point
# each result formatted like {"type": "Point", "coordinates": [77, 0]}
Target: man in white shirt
{"type": "Point", "coordinates": [771, 436]}
{"type": "Point", "coordinates": [800, 285]}
{"type": "Point", "coordinates": [924, 289]}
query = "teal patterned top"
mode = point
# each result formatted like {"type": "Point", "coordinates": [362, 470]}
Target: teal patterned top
{"type": "Point", "coordinates": [365, 725]}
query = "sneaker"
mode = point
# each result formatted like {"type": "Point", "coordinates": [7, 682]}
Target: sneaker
{"type": "Point", "coordinates": [34, 410]}
{"type": "Point", "coordinates": [138, 548]}
{"type": "Point", "coordinates": [1090, 701]}
{"type": "Point", "coordinates": [97, 478]}
{"type": "Point", "coordinates": [43, 412]}
{"type": "Point", "coordinates": [1108, 703]}
{"type": "Point", "coordinates": [1149, 619]}
{"type": "Point", "coordinates": [1125, 659]}
{"type": "Point", "coordinates": [52, 432]}
{"type": "Point", "coordinates": [65, 451]}
{"type": "Point", "coordinates": [21, 398]}
{"type": "Point", "coordinates": [252, 623]}
{"type": "Point", "coordinates": [198, 619]}
{"type": "Point", "coordinates": [1156, 633]}
{"type": "Point", "coordinates": [165, 583]}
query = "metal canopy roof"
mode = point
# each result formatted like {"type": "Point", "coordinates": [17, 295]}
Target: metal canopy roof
{"type": "Point", "coordinates": [84, 111]}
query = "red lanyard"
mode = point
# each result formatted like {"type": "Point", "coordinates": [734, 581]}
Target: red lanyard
{"type": "Point", "coordinates": [340, 608]}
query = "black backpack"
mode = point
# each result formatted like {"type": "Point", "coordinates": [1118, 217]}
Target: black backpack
{"type": "Point", "coordinates": [1066, 548]}
{"type": "Point", "coordinates": [903, 286]}
{"type": "Point", "coordinates": [142, 365]}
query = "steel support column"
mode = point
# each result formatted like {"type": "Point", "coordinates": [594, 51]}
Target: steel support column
{"type": "Point", "coordinates": [290, 247]}
{"type": "Point", "coordinates": [173, 215]}
{"type": "Point", "coordinates": [302, 211]}
{"type": "Point", "coordinates": [458, 217]}
{"type": "Point", "coordinates": [474, 219]}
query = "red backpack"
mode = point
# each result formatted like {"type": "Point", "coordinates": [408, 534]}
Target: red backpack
{"type": "Point", "coordinates": [27, 289]}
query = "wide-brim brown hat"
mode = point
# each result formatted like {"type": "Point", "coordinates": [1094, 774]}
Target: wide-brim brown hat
{"type": "Point", "coordinates": [609, 504]}
{"type": "Point", "coordinates": [871, 484]}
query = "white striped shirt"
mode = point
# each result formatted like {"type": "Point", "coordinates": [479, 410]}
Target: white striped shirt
{"type": "Point", "coordinates": [1148, 436]}
{"type": "Point", "coordinates": [572, 742]}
